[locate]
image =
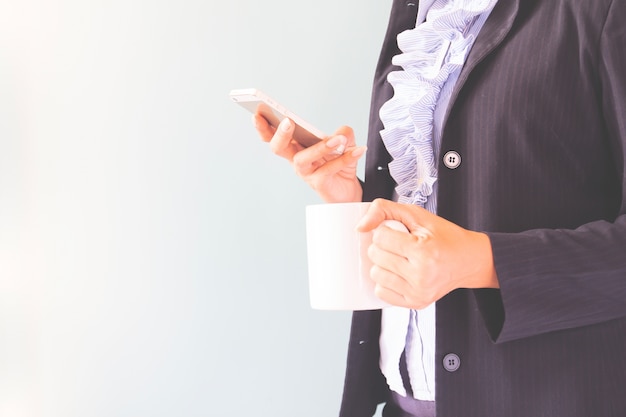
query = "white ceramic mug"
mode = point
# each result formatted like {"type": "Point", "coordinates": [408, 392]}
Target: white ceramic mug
{"type": "Point", "coordinates": [337, 257]}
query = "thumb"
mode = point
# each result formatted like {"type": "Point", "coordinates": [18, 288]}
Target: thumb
{"type": "Point", "coordinates": [413, 217]}
{"type": "Point", "coordinates": [348, 132]}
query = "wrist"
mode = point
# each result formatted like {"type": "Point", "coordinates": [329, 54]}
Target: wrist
{"type": "Point", "coordinates": [353, 194]}
{"type": "Point", "coordinates": [485, 276]}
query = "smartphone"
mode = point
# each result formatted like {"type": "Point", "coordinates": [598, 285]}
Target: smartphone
{"type": "Point", "coordinates": [254, 100]}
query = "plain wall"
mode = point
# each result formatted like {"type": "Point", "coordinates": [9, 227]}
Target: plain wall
{"type": "Point", "coordinates": [152, 249]}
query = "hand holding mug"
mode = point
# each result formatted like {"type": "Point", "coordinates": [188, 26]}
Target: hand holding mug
{"type": "Point", "coordinates": [436, 257]}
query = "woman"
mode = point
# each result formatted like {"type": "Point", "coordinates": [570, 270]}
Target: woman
{"type": "Point", "coordinates": [498, 137]}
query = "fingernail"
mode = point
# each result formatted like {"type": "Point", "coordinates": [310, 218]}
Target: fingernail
{"type": "Point", "coordinates": [285, 125]}
{"type": "Point", "coordinates": [359, 151]}
{"type": "Point", "coordinates": [336, 141]}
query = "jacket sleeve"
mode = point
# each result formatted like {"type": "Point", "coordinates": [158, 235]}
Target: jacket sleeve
{"type": "Point", "coordinates": [552, 280]}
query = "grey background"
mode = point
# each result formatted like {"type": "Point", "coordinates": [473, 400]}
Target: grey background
{"type": "Point", "coordinates": [152, 250]}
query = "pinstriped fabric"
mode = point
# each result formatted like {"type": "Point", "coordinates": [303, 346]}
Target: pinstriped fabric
{"type": "Point", "coordinates": [530, 173]}
{"type": "Point", "coordinates": [540, 176]}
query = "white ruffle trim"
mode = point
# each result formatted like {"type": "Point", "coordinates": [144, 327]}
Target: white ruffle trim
{"type": "Point", "coordinates": [430, 53]}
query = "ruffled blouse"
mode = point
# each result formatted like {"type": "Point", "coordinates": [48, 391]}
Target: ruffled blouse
{"type": "Point", "coordinates": [430, 53]}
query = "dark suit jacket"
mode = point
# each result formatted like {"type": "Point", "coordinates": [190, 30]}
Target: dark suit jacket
{"type": "Point", "coordinates": [539, 119]}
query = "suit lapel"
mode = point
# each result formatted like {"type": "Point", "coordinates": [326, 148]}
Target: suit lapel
{"type": "Point", "coordinates": [492, 33]}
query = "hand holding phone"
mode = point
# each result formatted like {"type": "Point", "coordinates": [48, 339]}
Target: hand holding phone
{"type": "Point", "coordinates": [256, 101]}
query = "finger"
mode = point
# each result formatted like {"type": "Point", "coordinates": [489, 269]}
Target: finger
{"type": "Point", "coordinates": [327, 158]}
{"type": "Point", "coordinates": [393, 241]}
{"type": "Point", "coordinates": [388, 285]}
{"type": "Point", "coordinates": [347, 161]}
{"type": "Point", "coordinates": [394, 262]}
{"type": "Point", "coordinates": [348, 133]}
{"type": "Point", "coordinates": [341, 141]}
{"type": "Point", "coordinates": [393, 289]}
{"type": "Point", "coordinates": [263, 128]}
{"type": "Point", "coordinates": [318, 154]}
{"type": "Point", "coordinates": [388, 279]}
{"type": "Point", "coordinates": [389, 296]}
{"type": "Point", "coordinates": [282, 143]}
